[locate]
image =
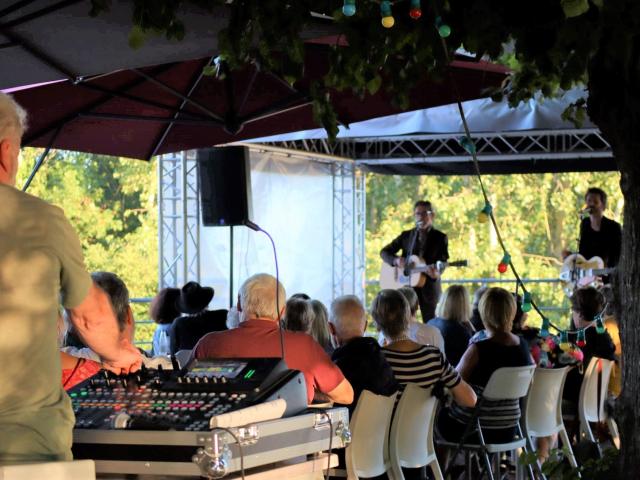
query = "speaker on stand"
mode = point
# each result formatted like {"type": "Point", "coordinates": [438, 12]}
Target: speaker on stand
{"type": "Point", "coordinates": [224, 180]}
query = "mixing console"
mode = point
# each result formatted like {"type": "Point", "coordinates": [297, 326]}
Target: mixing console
{"type": "Point", "coordinates": [184, 400]}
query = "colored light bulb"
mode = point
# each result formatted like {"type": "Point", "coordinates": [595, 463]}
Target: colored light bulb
{"type": "Point", "coordinates": [503, 266]}
{"type": "Point", "coordinates": [468, 145]}
{"type": "Point", "coordinates": [526, 302]}
{"type": "Point", "coordinates": [349, 8]}
{"type": "Point", "coordinates": [485, 213]}
{"type": "Point", "coordinates": [564, 342]}
{"type": "Point", "coordinates": [599, 325]}
{"type": "Point", "coordinates": [387, 17]}
{"type": "Point", "coordinates": [581, 342]}
{"type": "Point", "coordinates": [544, 329]}
{"type": "Point", "coordinates": [415, 12]}
{"type": "Point", "coordinates": [444, 30]}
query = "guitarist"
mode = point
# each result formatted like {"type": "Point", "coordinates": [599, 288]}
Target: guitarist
{"type": "Point", "coordinates": [599, 236]}
{"type": "Point", "coordinates": [429, 244]}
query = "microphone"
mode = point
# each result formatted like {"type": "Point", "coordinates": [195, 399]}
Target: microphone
{"type": "Point", "coordinates": [419, 224]}
{"type": "Point", "coordinates": [585, 212]}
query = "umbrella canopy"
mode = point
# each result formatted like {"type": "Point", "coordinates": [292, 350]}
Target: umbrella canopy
{"type": "Point", "coordinates": [140, 113]}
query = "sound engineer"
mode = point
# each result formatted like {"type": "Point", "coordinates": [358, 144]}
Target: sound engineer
{"type": "Point", "coordinates": [41, 265]}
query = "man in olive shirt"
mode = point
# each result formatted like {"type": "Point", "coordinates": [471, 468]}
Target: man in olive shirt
{"type": "Point", "coordinates": [41, 267]}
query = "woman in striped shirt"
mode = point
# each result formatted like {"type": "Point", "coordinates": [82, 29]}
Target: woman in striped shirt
{"type": "Point", "coordinates": [410, 361]}
{"type": "Point", "coordinates": [500, 348]}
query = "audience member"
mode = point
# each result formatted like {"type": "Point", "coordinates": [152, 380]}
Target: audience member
{"type": "Point", "coordinates": [298, 315]}
{"type": "Point", "coordinates": [259, 336]}
{"type": "Point", "coordinates": [320, 326]}
{"type": "Point", "coordinates": [188, 329]}
{"type": "Point", "coordinates": [163, 311]}
{"type": "Point", "coordinates": [476, 321]}
{"type": "Point", "coordinates": [453, 313]}
{"type": "Point", "coordinates": [410, 361]}
{"type": "Point", "coordinates": [586, 304]}
{"type": "Point", "coordinates": [359, 357]}
{"type": "Point", "coordinates": [300, 296]}
{"type": "Point", "coordinates": [118, 294]}
{"type": "Point", "coordinates": [76, 369]}
{"type": "Point", "coordinates": [420, 332]}
{"type": "Point", "coordinates": [500, 348]}
{"type": "Point", "coordinates": [613, 329]}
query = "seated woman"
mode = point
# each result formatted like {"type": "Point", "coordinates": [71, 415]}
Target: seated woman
{"type": "Point", "coordinates": [163, 312]}
{"type": "Point", "coordinates": [453, 314]}
{"type": "Point", "coordinates": [298, 315]}
{"type": "Point", "coordinates": [320, 326]}
{"type": "Point", "coordinates": [410, 361]}
{"type": "Point", "coordinates": [586, 304]}
{"type": "Point", "coordinates": [500, 348]}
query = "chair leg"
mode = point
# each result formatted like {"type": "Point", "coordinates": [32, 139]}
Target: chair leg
{"type": "Point", "coordinates": [566, 444]}
{"type": "Point", "coordinates": [487, 464]}
{"type": "Point", "coordinates": [435, 468]}
{"type": "Point", "coordinates": [613, 431]}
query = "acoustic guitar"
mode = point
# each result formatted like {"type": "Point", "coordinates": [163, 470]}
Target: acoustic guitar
{"type": "Point", "coordinates": [394, 277]}
{"type": "Point", "coordinates": [577, 271]}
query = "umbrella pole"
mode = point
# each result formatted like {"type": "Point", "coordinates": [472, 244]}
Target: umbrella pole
{"type": "Point", "coordinates": [230, 267]}
{"type": "Point", "coordinates": [41, 159]}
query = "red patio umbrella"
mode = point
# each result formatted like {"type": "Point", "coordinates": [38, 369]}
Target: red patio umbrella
{"type": "Point", "coordinates": [140, 113]}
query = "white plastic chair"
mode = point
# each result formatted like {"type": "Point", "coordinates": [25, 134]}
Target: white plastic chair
{"type": "Point", "coordinates": [411, 441]}
{"type": "Point", "coordinates": [368, 454]}
{"type": "Point", "coordinates": [183, 357]}
{"type": "Point", "coordinates": [507, 383]}
{"type": "Point", "coordinates": [543, 408]}
{"type": "Point", "coordinates": [76, 470]}
{"type": "Point", "coordinates": [591, 405]}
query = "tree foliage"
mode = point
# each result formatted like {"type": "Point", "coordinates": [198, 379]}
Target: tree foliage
{"type": "Point", "coordinates": [111, 202]}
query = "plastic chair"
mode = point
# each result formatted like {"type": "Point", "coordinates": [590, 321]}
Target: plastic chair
{"type": "Point", "coordinates": [76, 470]}
{"type": "Point", "coordinates": [507, 383]}
{"type": "Point", "coordinates": [411, 441]}
{"type": "Point", "coordinates": [367, 454]}
{"type": "Point", "coordinates": [593, 394]}
{"type": "Point", "coordinates": [543, 408]}
{"type": "Point", "coordinates": [183, 357]}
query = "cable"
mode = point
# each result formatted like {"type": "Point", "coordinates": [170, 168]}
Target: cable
{"type": "Point", "coordinates": [254, 226]}
{"type": "Point", "coordinates": [237, 440]}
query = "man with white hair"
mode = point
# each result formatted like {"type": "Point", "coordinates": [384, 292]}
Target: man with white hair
{"type": "Point", "coordinates": [258, 335]}
{"type": "Point", "coordinates": [41, 266]}
{"type": "Point", "coordinates": [360, 358]}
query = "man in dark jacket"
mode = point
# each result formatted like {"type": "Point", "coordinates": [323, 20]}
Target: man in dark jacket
{"type": "Point", "coordinates": [430, 245]}
{"type": "Point", "coordinates": [359, 358]}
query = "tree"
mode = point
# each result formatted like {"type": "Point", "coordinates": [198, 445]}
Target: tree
{"type": "Point", "coordinates": [556, 43]}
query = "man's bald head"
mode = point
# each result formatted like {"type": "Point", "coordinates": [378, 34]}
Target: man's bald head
{"type": "Point", "coordinates": [348, 318]}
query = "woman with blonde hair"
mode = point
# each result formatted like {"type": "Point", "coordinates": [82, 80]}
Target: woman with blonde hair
{"type": "Point", "coordinates": [500, 348]}
{"type": "Point", "coordinates": [453, 321]}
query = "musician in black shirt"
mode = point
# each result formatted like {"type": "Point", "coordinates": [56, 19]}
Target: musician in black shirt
{"type": "Point", "coordinates": [431, 245]}
{"type": "Point", "coordinates": [599, 236]}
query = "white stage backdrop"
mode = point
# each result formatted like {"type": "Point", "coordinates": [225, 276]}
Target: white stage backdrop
{"type": "Point", "coordinates": [292, 199]}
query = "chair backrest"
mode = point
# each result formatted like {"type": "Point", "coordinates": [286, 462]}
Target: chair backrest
{"type": "Point", "coordinates": [183, 356]}
{"type": "Point", "coordinates": [591, 409]}
{"type": "Point", "coordinates": [543, 409]}
{"type": "Point", "coordinates": [509, 383]}
{"type": "Point", "coordinates": [76, 470]}
{"type": "Point", "coordinates": [411, 440]}
{"type": "Point", "coordinates": [367, 455]}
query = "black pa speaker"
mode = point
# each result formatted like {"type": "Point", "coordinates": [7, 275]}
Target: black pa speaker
{"type": "Point", "coordinates": [224, 175]}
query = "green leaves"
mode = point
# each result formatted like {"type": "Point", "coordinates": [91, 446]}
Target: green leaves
{"type": "Point", "coordinates": [137, 37]}
{"type": "Point", "coordinates": [574, 8]}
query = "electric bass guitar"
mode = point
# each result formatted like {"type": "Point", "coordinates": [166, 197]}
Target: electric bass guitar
{"type": "Point", "coordinates": [577, 271]}
{"type": "Point", "coordinates": [394, 277]}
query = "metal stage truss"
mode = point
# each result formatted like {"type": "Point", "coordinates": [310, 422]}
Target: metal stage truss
{"type": "Point", "coordinates": [178, 219]}
{"type": "Point", "coordinates": [179, 224]}
{"type": "Point", "coordinates": [433, 148]}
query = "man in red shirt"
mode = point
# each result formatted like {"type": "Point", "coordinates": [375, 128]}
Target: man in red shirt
{"type": "Point", "coordinates": [258, 336]}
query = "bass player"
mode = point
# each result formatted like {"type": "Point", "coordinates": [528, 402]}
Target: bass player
{"type": "Point", "coordinates": [429, 244]}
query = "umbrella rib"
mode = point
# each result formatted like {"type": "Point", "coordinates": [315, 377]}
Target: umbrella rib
{"type": "Point", "coordinates": [38, 13]}
{"type": "Point", "coordinates": [179, 111]}
{"type": "Point", "coordinates": [248, 91]}
{"type": "Point", "coordinates": [16, 6]}
{"type": "Point", "coordinates": [141, 100]}
{"type": "Point", "coordinates": [31, 137]}
{"type": "Point", "coordinates": [148, 118]}
{"type": "Point", "coordinates": [37, 53]}
{"type": "Point", "coordinates": [276, 108]}
{"type": "Point", "coordinates": [173, 91]}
